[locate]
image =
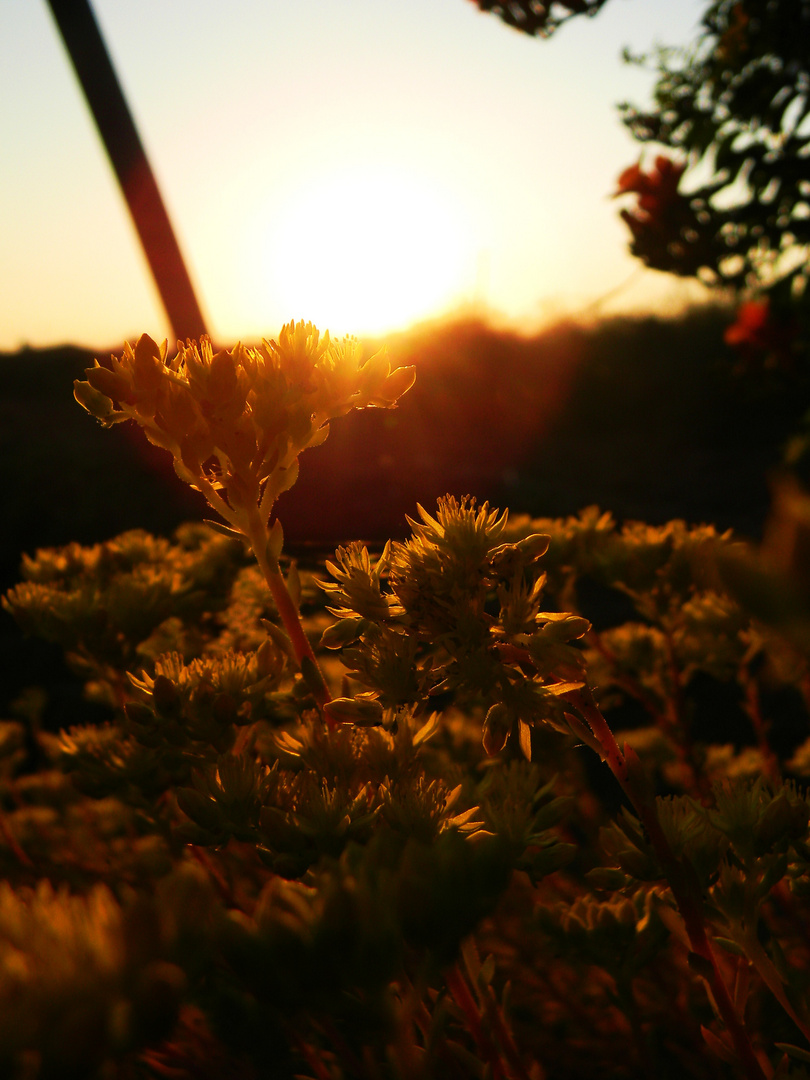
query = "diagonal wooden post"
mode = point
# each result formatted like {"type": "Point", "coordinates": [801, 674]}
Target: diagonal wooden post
{"type": "Point", "coordinates": [104, 95]}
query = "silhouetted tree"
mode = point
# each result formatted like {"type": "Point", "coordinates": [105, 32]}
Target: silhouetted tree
{"type": "Point", "coordinates": [731, 206]}
{"type": "Point", "coordinates": [536, 18]}
{"type": "Point", "coordinates": [733, 107]}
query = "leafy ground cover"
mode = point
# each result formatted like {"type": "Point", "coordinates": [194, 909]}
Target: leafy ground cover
{"type": "Point", "coordinates": [409, 843]}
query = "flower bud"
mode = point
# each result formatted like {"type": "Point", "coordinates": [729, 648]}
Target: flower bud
{"type": "Point", "coordinates": [165, 696]}
{"type": "Point", "coordinates": [397, 384]}
{"type": "Point", "coordinates": [200, 808]}
{"type": "Point", "coordinates": [606, 877]}
{"type": "Point", "coordinates": [267, 659]}
{"type": "Point", "coordinates": [147, 369]}
{"type": "Point", "coordinates": [497, 726]}
{"type": "Point", "coordinates": [343, 632]}
{"type": "Point", "coordinates": [93, 400]}
{"type": "Point", "coordinates": [139, 713]}
{"type": "Point", "coordinates": [532, 547]}
{"type": "Point", "coordinates": [364, 711]}
{"type": "Point", "coordinates": [110, 383]}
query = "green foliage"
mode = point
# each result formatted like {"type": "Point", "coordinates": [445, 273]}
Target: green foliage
{"type": "Point", "coordinates": [120, 603]}
{"type": "Point", "coordinates": [733, 108]}
{"type": "Point", "coordinates": [730, 206]}
{"type": "Point", "coordinates": [460, 619]}
{"type": "Point", "coordinates": [215, 882]}
{"type": "Point", "coordinates": [734, 104]}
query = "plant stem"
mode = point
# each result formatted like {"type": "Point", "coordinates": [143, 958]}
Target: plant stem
{"type": "Point", "coordinates": [457, 985]}
{"type": "Point", "coordinates": [753, 708]}
{"type": "Point", "coordinates": [624, 681]}
{"type": "Point", "coordinates": [681, 878]}
{"type": "Point", "coordinates": [288, 612]}
{"type": "Point", "coordinates": [493, 1012]}
{"type": "Point", "coordinates": [13, 843]}
{"type": "Point", "coordinates": [766, 970]}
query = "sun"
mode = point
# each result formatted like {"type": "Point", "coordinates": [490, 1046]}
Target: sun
{"type": "Point", "coordinates": [368, 250]}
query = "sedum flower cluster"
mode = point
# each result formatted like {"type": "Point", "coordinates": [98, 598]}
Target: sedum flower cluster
{"type": "Point", "coordinates": [114, 605]}
{"type": "Point", "coordinates": [461, 616]}
{"type": "Point", "coordinates": [236, 420]}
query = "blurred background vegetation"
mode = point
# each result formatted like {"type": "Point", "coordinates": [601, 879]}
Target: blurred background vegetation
{"type": "Point", "coordinates": [644, 417]}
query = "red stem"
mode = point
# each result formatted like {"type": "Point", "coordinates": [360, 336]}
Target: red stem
{"type": "Point", "coordinates": [669, 719]}
{"type": "Point", "coordinates": [457, 985]}
{"type": "Point", "coordinates": [754, 710]}
{"type": "Point", "coordinates": [216, 875]}
{"type": "Point", "coordinates": [288, 613]}
{"type": "Point", "coordinates": [622, 680]}
{"type": "Point", "coordinates": [493, 1012]}
{"type": "Point", "coordinates": [681, 878]}
{"type": "Point", "coordinates": [13, 843]}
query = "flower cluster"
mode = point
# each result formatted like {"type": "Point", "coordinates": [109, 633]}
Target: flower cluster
{"type": "Point", "coordinates": [236, 420]}
{"type": "Point", "coordinates": [667, 232]}
{"type": "Point", "coordinates": [761, 338]}
{"type": "Point", "coordinates": [435, 630]}
{"type": "Point", "coordinates": [657, 189]}
{"type": "Point", "coordinates": [116, 605]}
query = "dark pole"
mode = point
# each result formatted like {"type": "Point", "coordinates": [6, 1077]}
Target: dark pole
{"type": "Point", "coordinates": [102, 90]}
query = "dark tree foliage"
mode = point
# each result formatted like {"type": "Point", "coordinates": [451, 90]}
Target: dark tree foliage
{"type": "Point", "coordinates": [733, 107]}
{"type": "Point", "coordinates": [731, 205]}
{"type": "Point", "coordinates": [536, 18]}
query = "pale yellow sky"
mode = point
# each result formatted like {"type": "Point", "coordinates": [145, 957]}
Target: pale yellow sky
{"type": "Point", "coordinates": [360, 163]}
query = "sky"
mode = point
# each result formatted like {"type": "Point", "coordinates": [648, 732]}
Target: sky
{"type": "Point", "coordinates": [364, 164]}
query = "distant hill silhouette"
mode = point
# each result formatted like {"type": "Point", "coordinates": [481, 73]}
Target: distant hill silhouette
{"type": "Point", "coordinates": [640, 415]}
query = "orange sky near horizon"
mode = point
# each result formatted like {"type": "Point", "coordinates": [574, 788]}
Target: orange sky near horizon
{"type": "Point", "coordinates": [364, 165]}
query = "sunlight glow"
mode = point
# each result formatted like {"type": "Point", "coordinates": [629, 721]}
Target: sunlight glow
{"type": "Point", "coordinates": [368, 250]}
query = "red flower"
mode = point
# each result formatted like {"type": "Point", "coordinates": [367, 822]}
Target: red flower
{"type": "Point", "coordinates": [667, 234]}
{"type": "Point", "coordinates": [760, 337]}
{"type": "Point", "coordinates": [657, 189]}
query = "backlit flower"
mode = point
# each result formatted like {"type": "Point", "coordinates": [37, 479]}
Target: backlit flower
{"type": "Point", "coordinates": [236, 420]}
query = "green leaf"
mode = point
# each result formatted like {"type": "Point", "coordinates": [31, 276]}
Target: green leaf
{"type": "Point", "coordinates": [279, 638]}
{"type": "Point", "coordinates": [364, 711]}
{"type": "Point", "coordinates": [794, 1051]}
{"type": "Point", "coordinates": [343, 632]}
{"type": "Point", "coordinates": [223, 530]}
{"type": "Point", "coordinates": [275, 543]}
{"type": "Point", "coordinates": [525, 737]}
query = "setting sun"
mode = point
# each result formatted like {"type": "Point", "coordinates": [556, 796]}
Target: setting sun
{"type": "Point", "coordinates": [368, 250]}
